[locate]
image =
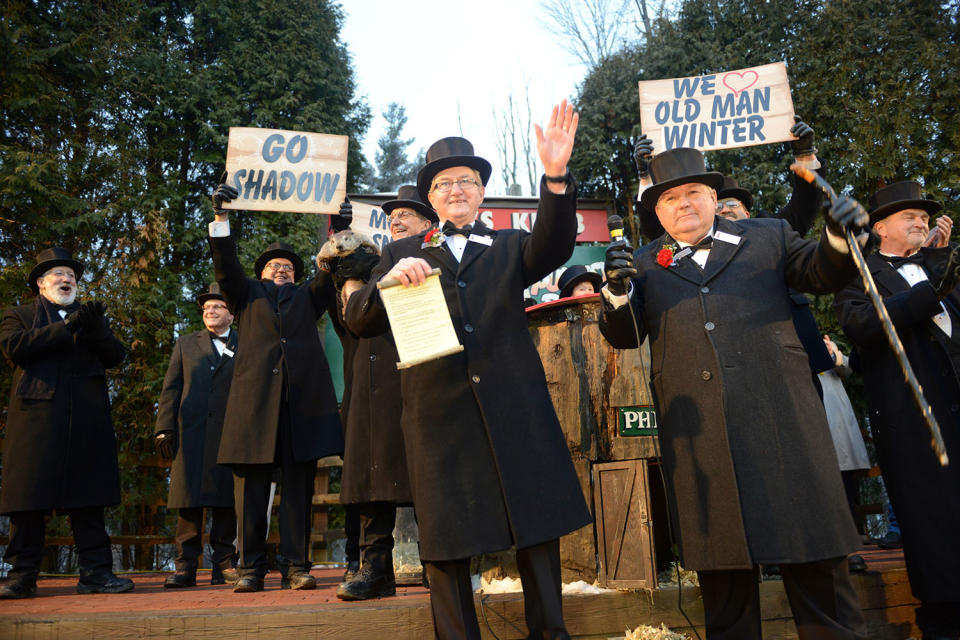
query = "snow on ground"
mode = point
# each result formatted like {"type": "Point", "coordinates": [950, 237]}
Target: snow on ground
{"type": "Point", "coordinates": [512, 585]}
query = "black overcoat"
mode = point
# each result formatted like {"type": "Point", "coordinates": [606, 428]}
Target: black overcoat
{"type": "Point", "coordinates": [925, 496]}
{"type": "Point", "coordinates": [192, 404]}
{"type": "Point", "coordinates": [489, 466]}
{"type": "Point", "coordinates": [279, 356]}
{"type": "Point", "coordinates": [745, 442]}
{"type": "Point", "coordinates": [60, 450]}
{"type": "Point", "coordinates": [374, 461]}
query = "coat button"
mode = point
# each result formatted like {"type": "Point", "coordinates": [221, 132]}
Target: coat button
{"type": "Point", "coordinates": [276, 371]}
{"type": "Point", "coordinates": [706, 375]}
{"type": "Point", "coordinates": [373, 357]}
{"type": "Point", "coordinates": [283, 340]}
{"type": "Point", "coordinates": [468, 328]}
{"type": "Point", "coordinates": [704, 289]}
{"type": "Point", "coordinates": [212, 367]}
{"type": "Point", "coordinates": [461, 284]}
{"type": "Point", "coordinates": [476, 379]}
{"type": "Point", "coordinates": [709, 326]}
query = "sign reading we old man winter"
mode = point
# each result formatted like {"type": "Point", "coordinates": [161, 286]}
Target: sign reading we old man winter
{"type": "Point", "coordinates": [718, 111]}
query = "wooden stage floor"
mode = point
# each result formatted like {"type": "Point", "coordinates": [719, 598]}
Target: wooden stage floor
{"type": "Point", "coordinates": [206, 612]}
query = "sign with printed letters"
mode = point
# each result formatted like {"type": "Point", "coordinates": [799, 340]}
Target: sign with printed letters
{"type": "Point", "coordinates": [718, 111]}
{"type": "Point", "coordinates": [636, 421]}
{"type": "Point", "coordinates": [279, 170]}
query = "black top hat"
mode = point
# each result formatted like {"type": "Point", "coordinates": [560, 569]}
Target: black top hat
{"type": "Point", "coordinates": [732, 189]}
{"type": "Point", "coordinates": [50, 258]}
{"type": "Point", "coordinates": [279, 250]}
{"type": "Point", "coordinates": [574, 275]}
{"type": "Point", "coordinates": [675, 167]}
{"type": "Point", "coordinates": [409, 197]}
{"type": "Point", "coordinates": [897, 197]}
{"type": "Point", "coordinates": [446, 153]}
{"type": "Point", "coordinates": [212, 294]}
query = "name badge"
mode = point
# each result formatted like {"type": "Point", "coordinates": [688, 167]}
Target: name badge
{"type": "Point", "coordinates": [487, 240]}
{"type": "Point", "coordinates": [683, 253]}
{"type": "Point", "coordinates": [726, 237]}
{"type": "Point", "coordinates": [227, 352]}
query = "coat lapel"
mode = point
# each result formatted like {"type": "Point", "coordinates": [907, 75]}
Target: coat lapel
{"type": "Point", "coordinates": [231, 345]}
{"type": "Point", "coordinates": [685, 267]}
{"type": "Point", "coordinates": [206, 348]}
{"type": "Point", "coordinates": [889, 281]}
{"type": "Point", "coordinates": [440, 253]}
{"type": "Point", "coordinates": [722, 252]}
{"type": "Point", "coordinates": [474, 249]}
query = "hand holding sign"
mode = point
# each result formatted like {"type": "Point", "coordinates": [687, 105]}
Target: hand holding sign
{"type": "Point", "coordinates": [223, 193]}
{"type": "Point", "coordinates": [642, 155]}
{"type": "Point", "coordinates": [803, 145]}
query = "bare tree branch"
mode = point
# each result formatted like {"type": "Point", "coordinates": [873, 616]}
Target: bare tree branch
{"type": "Point", "coordinates": [593, 29]}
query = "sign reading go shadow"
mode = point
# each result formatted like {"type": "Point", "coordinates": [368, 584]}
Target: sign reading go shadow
{"type": "Point", "coordinates": [278, 170]}
{"type": "Point", "coordinates": [718, 111]}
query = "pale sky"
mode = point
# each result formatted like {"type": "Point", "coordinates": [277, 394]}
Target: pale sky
{"type": "Point", "coordinates": [431, 55]}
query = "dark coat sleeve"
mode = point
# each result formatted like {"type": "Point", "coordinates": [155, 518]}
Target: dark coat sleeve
{"type": "Point", "coordinates": [907, 309]}
{"type": "Point", "coordinates": [21, 343]}
{"type": "Point", "coordinates": [554, 235]}
{"type": "Point", "coordinates": [229, 272]}
{"type": "Point", "coordinates": [169, 405]}
{"type": "Point", "coordinates": [801, 211]}
{"type": "Point", "coordinates": [323, 295]}
{"type": "Point", "coordinates": [365, 315]}
{"type": "Point", "coordinates": [617, 325]}
{"type": "Point", "coordinates": [815, 268]}
{"type": "Point", "coordinates": [103, 344]}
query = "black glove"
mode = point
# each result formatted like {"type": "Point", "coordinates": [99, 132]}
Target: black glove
{"type": "Point", "coordinates": [951, 274]}
{"type": "Point", "coordinates": [74, 321]}
{"type": "Point", "coordinates": [618, 267]}
{"type": "Point", "coordinates": [846, 213]}
{"type": "Point", "coordinates": [166, 442]}
{"type": "Point", "coordinates": [342, 221]}
{"type": "Point", "coordinates": [643, 154]}
{"type": "Point", "coordinates": [803, 145]}
{"type": "Point", "coordinates": [224, 193]}
{"type": "Point", "coordinates": [356, 265]}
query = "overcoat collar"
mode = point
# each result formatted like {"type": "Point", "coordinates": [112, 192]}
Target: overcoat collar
{"type": "Point", "coordinates": [721, 253]}
{"type": "Point", "coordinates": [473, 248]}
{"type": "Point", "coordinates": [205, 344]}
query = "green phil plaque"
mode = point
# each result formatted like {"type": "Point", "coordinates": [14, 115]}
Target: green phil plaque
{"type": "Point", "coordinates": [637, 421]}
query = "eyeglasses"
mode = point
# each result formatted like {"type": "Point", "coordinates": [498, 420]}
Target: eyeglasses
{"type": "Point", "coordinates": [444, 186]}
{"type": "Point", "coordinates": [59, 273]}
{"type": "Point", "coordinates": [276, 266]}
{"type": "Point", "coordinates": [403, 215]}
{"type": "Point", "coordinates": [733, 204]}
{"type": "Point", "coordinates": [215, 307]}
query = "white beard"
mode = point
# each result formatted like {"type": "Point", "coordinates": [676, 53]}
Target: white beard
{"type": "Point", "coordinates": [58, 297]}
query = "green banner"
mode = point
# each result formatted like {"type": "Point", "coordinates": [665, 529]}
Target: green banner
{"type": "Point", "coordinates": [637, 421]}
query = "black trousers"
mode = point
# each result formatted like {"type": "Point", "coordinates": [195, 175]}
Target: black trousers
{"type": "Point", "coordinates": [251, 486]}
{"type": "Point", "coordinates": [351, 529]}
{"type": "Point", "coordinates": [821, 596]}
{"type": "Point", "coordinates": [377, 521]}
{"type": "Point", "coordinates": [28, 530]}
{"type": "Point", "coordinates": [451, 595]}
{"type": "Point", "coordinates": [223, 531]}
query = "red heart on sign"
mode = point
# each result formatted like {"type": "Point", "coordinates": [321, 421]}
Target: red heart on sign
{"type": "Point", "coordinates": [739, 82]}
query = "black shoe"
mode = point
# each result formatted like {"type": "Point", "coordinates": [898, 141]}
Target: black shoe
{"type": "Point", "coordinates": [248, 584]}
{"type": "Point", "coordinates": [16, 588]}
{"type": "Point", "coordinates": [890, 541]}
{"type": "Point", "coordinates": [103, 582]}
{"type": "Point", "coordinates": [180, 579]}
{"type": "Point", "coordinates": [352, 567]}
{"type": "Point", "coordinates": [367, 584]}
{"type": "Point", "coordinates": [224, 576]}
{"type": "Point", "coordinates": [298, 580]}
{"type": "Point", "coordinates": [856, 563]}
{"type": "Point", "coordinates": [771, 569]}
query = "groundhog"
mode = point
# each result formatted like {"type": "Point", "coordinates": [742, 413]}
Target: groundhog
{"type": "Point", "coordinates": [343, 243]}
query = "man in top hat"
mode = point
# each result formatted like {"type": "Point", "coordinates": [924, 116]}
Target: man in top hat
{"type": "Point", "coordinates": [60, 451]}
{"type": "Point", "coordinates": [189, 424]}
{"type": "Point", "coordinates": [281, 410]}
{"type": "Point", "coordinates": [744, 438]}
{"type": "Point", "coordinates": [576, 280]}
{"type": "Point", "coordinates": [374, 465]}
{"type": "Point", "coordinates": [489, 466]}
{"type": "Point", "coordinates": [918, 286]}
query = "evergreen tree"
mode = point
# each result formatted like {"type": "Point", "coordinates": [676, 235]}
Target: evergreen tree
{"type": "Point", "coordinates": [393, 167]}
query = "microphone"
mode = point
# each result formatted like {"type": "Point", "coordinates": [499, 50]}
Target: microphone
{"type": "Point", "coordinates": [615, 226]}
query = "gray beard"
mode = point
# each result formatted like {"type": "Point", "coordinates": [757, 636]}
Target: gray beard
{"type": "Point", "coordinates": [58, 298]}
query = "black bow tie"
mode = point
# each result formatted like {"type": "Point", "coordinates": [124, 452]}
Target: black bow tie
{"type": "Point", "coordinates": [706, 243]}
{"type": "Point", "coordinates": [222, 339]}
{"type": "Point", "coordinates": [898, 261]}
{"type": "Point", "coordinates": [450, 229]}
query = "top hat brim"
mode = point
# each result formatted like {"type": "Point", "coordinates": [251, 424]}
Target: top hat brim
{"type": "Point", "coordinates": [38, 271]}
{"type": "Point", "coordinates": [203, 297]}
{"type": "Point", "coordinates": [591, 276]}
{"type": "Point", "coordinates": [416, 205]}
{"type": "Point", "coordinates": [740, 194]}
{"type": "Point", "coordinates": [878, 214]}
{"type": "Point", "coordinates": [651, 194]}
{"type": "Point", "coordinates": [429, 170]}
{"type": "Point", "coordinates": [267, 256]}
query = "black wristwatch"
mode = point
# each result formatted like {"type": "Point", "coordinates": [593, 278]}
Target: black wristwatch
{"type": "Point", "coordinates": [565, 178]}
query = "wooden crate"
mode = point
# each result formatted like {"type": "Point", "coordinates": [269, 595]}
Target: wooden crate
{"type": "Point", "coordinates": [624, 524]}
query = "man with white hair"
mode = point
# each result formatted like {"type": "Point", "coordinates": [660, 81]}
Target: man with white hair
{"type": "Point", "coordinates": [60, 451]}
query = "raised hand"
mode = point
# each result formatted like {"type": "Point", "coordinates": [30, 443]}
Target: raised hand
{"type": "Point", "coordinates": [223, 193]}
{"type": "Point", "coordinates": [642, 155]}
{"type": "Point", "coordinates": [555, 142]}
{"type": "Point", "coordinates": [803, 145]}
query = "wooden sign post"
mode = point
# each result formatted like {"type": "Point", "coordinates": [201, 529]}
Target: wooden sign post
{"type": "Point", "coordinates": [718, 111]}
{"type": "Point", "coordinates": [278, 170]}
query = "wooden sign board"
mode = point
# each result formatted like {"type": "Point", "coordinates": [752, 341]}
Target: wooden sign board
{"type": "Point", "coordinates": [718, 111]}
{"type": "Point", "coordinates": [278, 170]}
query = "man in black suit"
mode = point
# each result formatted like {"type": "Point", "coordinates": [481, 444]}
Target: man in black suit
{"type": "Point", "coordinates": [189, 424]}
{"type": "Point", "coordinates": [60, 451]}
{"type": "Point", "coordinates": [918, 285]}
{"type": "Point", "coordinates": [744, 438]}
{"type": "Point", "coordinates": [282, 410]}
{"type": "Point", "coordinates": [489, 466]}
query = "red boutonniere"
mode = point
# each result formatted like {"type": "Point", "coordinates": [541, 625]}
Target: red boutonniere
{"type": "Point", "coordinates": [665, 255]}
{"type": "Point", "coordinates": [434, 238]}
